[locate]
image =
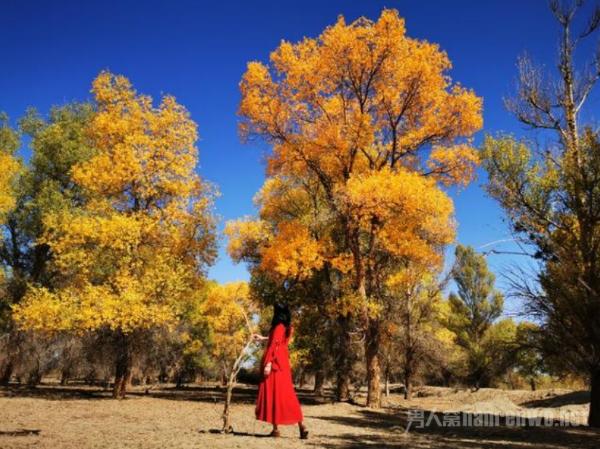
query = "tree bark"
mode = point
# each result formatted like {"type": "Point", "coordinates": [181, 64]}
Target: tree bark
{"type": "Point", "coordinates": [231, 381]}
{"type": "Point", "coordinates": [319, 382]}
{"type": "Point", "coordinates": [7, 372]}
{"type": "Point", "coordinates": [12, 347]}
{"type": "Point", "coordinates": [387, 383]}
{"type": "Point", "coordinates": [594, 416]}
{"type": "Point", "coordinates": [122, 366]}
{"type": "Point", "coordinates": [35, 376]}
{"type": "Point", "coordinates": [344, 365]}
{"type": "Point", "coordinates": [408, 385]}
{"type": "Point", "coordinates": [342, 391]}
{"type": "Point", "coordinates": [227, 428]}
{"type": "Point", "coordinates": [179, 378]}
{"type": "Point", "coordinates": [373, 366]}
{"type": "Point", "coordinates": [64, 376]}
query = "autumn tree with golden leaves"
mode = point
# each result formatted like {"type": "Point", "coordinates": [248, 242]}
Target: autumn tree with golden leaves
{"type": "Point", "coordinates": [9, 165]}
{"type": "Point", "coordinates": [129, 257]}
{"type": "Point", "coordinates": [365, 121]}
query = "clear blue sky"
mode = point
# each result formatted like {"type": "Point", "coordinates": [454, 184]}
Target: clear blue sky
{"type": "Point", "coordinates": [197, 51]}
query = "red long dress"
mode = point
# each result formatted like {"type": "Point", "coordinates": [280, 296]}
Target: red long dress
{"type": "Point", "coordinates": [277, 402]}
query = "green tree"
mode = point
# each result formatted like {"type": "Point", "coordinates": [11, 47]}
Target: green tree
{"type": "Point", "coordinates": [551, 196]}
{"type": "Point", "coordinates": [529, 357]}
{"type": "Point", "coordinates": [9, 168]}
{"type": "Point", "coordinates": [57, 143]}
{"type": "Point", "coordinates": [473, 311]}
{"type": "Point", "coordinates": [413, 341]}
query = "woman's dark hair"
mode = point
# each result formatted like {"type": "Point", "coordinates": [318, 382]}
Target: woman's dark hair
{"type": "Point", "coordinates": [281, 314]}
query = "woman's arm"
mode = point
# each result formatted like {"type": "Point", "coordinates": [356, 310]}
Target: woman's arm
{"type": "Point", "coordinates": [258, 337]}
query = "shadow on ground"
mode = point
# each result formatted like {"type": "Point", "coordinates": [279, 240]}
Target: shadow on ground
{"type": "Point", "coordinates": [573, 398]}
{"type": "Point", "coordinates": [242, 394]}
{"type": "Point", "coordinates": [389, 430]}
{"type": "Point", "coordinates": [353, 427]}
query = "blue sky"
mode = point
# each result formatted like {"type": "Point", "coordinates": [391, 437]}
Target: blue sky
{"type": "Point", "coordinates": [197, 51]}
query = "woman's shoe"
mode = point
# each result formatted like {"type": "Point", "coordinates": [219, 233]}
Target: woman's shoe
{"type": "Point", "coordinates": [275, 433]}
{"type": "Point", "coordinates": [303, 433]}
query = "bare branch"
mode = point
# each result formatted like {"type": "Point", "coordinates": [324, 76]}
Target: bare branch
{"type": "Point", "coordinates": [592, 25]}
{"type": "Point", "coordinates": [563, 13]}
{"type": "Point", "coordinates": [534, 103]}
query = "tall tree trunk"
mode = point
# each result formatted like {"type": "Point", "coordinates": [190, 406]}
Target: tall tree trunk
{"type": "Point", "coordinates": [35, 376]}
{"type": "Point", "coordinates": [407, 384]}
{"type": "Point", "coordinates": [387, 382]}
{"type": "Point", "coordinates": [300, 378]}
{"type": "Point", "coordinates": [342, 390]}
{"type": "Point", "coordinates": [122, 366]}
{"type": "Point", "coordinates": [594, 416]}
{"type": "Point", "coordinates": [569, 107]}
{"type": "Point", "coordinates": [446, 376]}
{"type": "Point", "coordinates": [343, 361]}
{"type": "Point", "coordinates": [7, 372]}
{"type": "Point", "coordinates": [179, 378]}
{"type": "Point", "coordinates": [319, 382]}
{"type": "Point", "coordinates": [15, 339]}
{"type": "Point", "coordinates": [64, 376]}
{"type": "Point", "coordinates": [162, 375]}
{"type": "Point", "coordinates": [227, 428]}
{"type": "Point", "coordinates": [373, 366]}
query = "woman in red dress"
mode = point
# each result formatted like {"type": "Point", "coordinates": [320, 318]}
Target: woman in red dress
{"type": "Point", "coordinates": [277, 402]}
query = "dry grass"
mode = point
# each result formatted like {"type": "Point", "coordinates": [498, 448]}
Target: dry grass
{"type": "Point", "coordinates": [82, 418]}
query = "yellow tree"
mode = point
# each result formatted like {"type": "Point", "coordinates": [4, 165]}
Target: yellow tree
{"type": "Point", "coordinates": [9, 166]}
{"type": "Point", "coordinates": [9, 169]}
{"type": "Point", "coordinates": [128, 259]}
{"type": "Point", "coordinates": [370, 118]}
{"type": "Point", "coordinates": [227, 311]}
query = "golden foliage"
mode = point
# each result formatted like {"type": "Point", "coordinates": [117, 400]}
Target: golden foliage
{"type": "Point", "coordinates": [9, 168]}
{"type": "Point", "coordinates": [351, 115]}
{"type": "Point", "coordinates": [407, 213]}
{"type": "Point", "coordinates": [292, 252]}
{"type": "Point", "coordinates": [359, 97]}
{"type": "Point", "coordinates": [130, 256]}
{"type": "Point", "coordinates": [227, 309]}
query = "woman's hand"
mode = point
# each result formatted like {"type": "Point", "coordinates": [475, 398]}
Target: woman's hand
{"type": "Point", "coordinates": [258, 337]}
{"type": "Point", "coordinates": [267, 370]}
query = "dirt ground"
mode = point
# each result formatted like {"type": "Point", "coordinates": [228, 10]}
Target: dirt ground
{"type": "Point", "coordinates": [85, 418]}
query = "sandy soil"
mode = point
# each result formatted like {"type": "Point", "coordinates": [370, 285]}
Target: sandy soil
{"type": "Point", "coordinates": [82, 418]}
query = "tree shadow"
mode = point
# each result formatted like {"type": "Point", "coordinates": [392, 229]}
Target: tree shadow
{"type": "Point", "coordinates": [389, 430]}
{"type": "Point", "coordinates": [573, 398]}
{"type": "Point", "coordinates": [20, 432]}
{"type": "Point", "coordinates": [54, 393]}
{"type": "Point", "coordinates": [242, 394]}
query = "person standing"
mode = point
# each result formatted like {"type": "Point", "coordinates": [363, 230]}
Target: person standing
{"type": "Point", "coordinates": [277, 402]}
